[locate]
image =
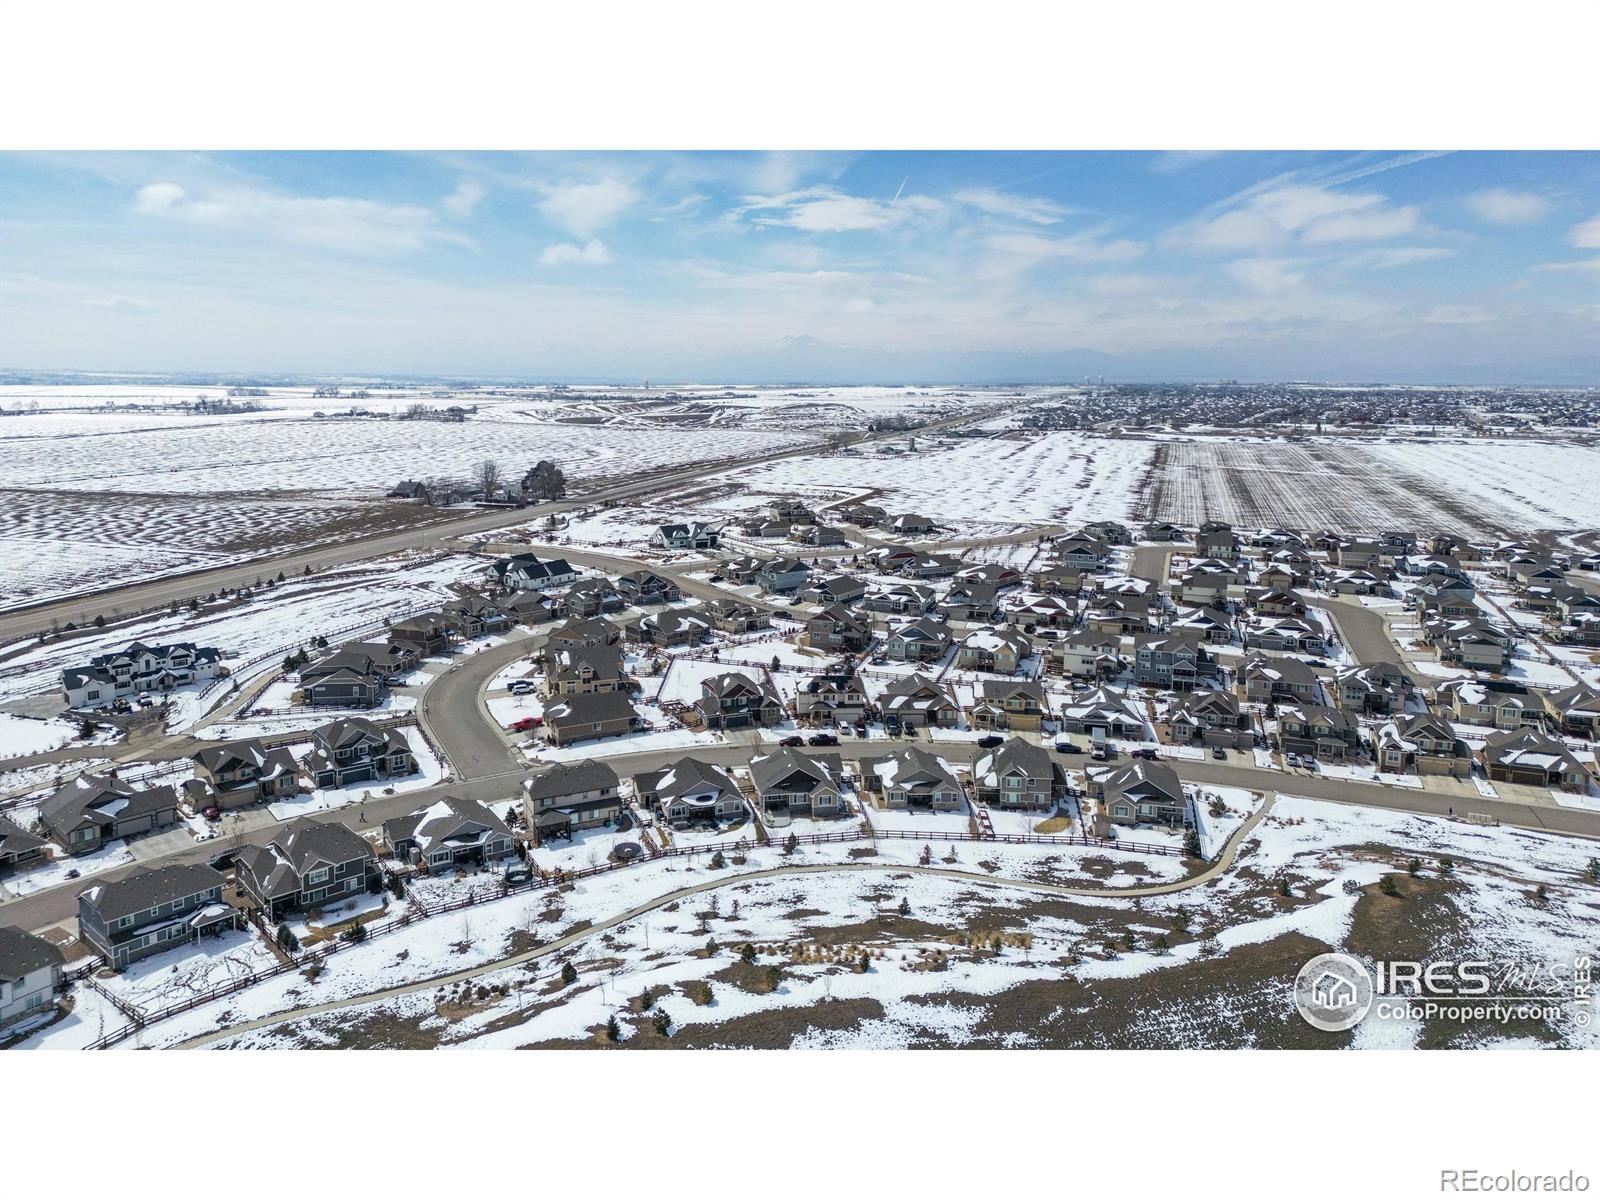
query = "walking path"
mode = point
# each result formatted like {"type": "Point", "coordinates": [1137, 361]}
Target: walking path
{"type": "Point", "coordinates": [1223, 862]}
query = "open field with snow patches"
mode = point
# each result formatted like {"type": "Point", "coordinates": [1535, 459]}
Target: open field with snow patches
{"type": "Point", "coordinates": [1476, 488]}
{"type": "Point", "coordinates": [1052, 479]}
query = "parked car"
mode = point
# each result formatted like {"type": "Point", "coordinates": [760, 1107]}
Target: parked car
{"type": "Point", "coordinates": [1292, 760]}
{"type": "Point", "coordinates": [822, 739]}
{"type": "Point", "coordinates": [1218, 752]}
{"type": "Point", "coordinates": [892, 727]}
{"type": "Point", "coordinates": [1315, 662]}
{"type": "Point", "coordinates": [1143, 752]}
{"type": "Point", "coordinates": [223, 861]}
{"type": "Point", "coordinates": [991, 741]}
{"type": "Point", "coordinates": [526, 723]}
{"type": "Point", "coordinates": [521, 687]}
{"type": "Point", "coordinates": [1068, 748]}
{"type": "Point", "coordinates": [716, 578]}
{"type": "Point", "coordinates": [795, 740]}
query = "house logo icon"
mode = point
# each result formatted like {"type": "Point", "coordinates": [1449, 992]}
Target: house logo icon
{"type": "Point", "coordinates": [1333, 992]}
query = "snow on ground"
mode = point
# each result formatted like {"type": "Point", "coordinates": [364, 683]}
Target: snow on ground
{"type": "Point", "coordinates": [27, 880]}
{"type": "Point", "coordinates": [22, 736]}
{"type": "Point", "coordinates": [628, 743]}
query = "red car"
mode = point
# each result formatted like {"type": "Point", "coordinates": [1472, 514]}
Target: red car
{"type": "Point", "coordinates": [526, 724]}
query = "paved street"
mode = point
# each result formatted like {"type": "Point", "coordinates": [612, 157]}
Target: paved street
{"type": "Point", "coordinates": [1363, 630]}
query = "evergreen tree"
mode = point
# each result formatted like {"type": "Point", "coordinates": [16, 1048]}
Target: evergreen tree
{"type": "Point", "coordinates": [569, 974]}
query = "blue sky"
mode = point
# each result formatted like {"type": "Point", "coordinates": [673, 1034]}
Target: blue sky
{"type": "Point", "coordinates": [882, 267]}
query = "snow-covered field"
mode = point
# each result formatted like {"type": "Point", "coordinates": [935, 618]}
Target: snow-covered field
{"type": "Point", "coordinates": [1478, 488]}
{"type": "Point", "coordinates": [1049, 479]}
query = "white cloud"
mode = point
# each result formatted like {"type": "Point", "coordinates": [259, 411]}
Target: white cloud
{"type": "Point", "coordinates": [829, 210]}
{"type": "Point", "coordinates": [583, 209]}
{"type": "Point", "coordinates": [1587, 235]}
{"type": "Point", "coordinates": [1501, 207]}
{"type": "Point", "coordinates": [342, 223]}
{"type": "Point", "coordinates": [465, 198]}
{"type": "Point", "coordinates": [1266, 274]}
{"type": "Point", "coordinates": [1032, 247]}
{"type": "Point", "coordinates": [1397, 256]}
{"type": "Point", "coordinates": [1310, 215]}
{"type": "Point", "coordinates": [126, 307]}
{"type": "Point", "coordinates": [592, 253]}
{"type": "Point", "coordinates": [1021, 208]}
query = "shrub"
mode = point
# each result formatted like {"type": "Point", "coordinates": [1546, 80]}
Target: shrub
{"type": "Point", "coordinates": [1414, 867]}
{"type": "Point", "coordinates": [1388, 886]}
{"type": "Point", "coordinates": [356, 933]}
{"type": "Point", "coordinates": [569, 974]}
{"type": "Point", "coordinates": [613, 1028]}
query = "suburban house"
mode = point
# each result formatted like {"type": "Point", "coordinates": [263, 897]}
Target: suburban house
{"type": "Point", "coordinates": [689, 791]}
{"type": "Point", "coordinates": [139, 668]}
{"type": "Point", "coordinates": [837, 628]}
{"type": "Point", "coordinates": [788, 783]}
{"type": "Point", "coordinates": [675, 627]}
{"type": "Point", "coordinates": [582, 632]}
{"type": "Point", "coordinates": [1017, 774]}
{"type": "Point", "coordinates": [17, 845]}
{"type": "Point", "coordinates": [1080, 551]}
{"type": "Point", "coordinates": [832, 700]}
{"type": "Point", "coordinates": [912, 778]}
{"type": "Point", "coordinates": [428, 633]}
{"type": "Point", "coordinates": [593, 597]}
{"type": "Point", "coordinates": [923, 640]}
{"type": "Point", "coordinates": [996, 574]}
{"type": "Point", "coordinates": [835, 589]}
{"type": "Point", "coordinates": [969, 601]}
{"type": "Point", "coordinates": [1008, 704]}
{"type": "Point", "coordinates": [357, 751]}
{"type": "Point", "coordinates": [1469, 642]}
{"type": "Point", "coordinates": [1421, 743]}
{"type": "Point", "coordinates": [1116, 617]}
{"type": "Point", "coordinates": [865, 515]}
{"type": "Point", "coordinates": [1216, 539]}
{"type": "Point", "coordinates": [1318, 730]}
{"type": "Point", "coordinates": [1057, 579]}
{"type": "Point", "coordinates": [917, 701]}
{"type": "Point", "coordinates": [575, 669]}
{"type": "Point", "coordinates": [1045, 612]}
{"type": "Point", "coordinates": [347, 678]}
{"type": "Point", "coordinates": [818, 535]}
{"type": "Point", "coordinates": [91, 810]}
{"type": "Point", "coordinates": [1104, 709]}
{"type": "Point", "coordinates": [1113, 533]}
{"type": "Point", "coordinates": [1206, 623]}
{"type": "Point", "coordinates": [450, 832]}
{"type": "Point", "coordinates": [1285, 633]}
{"type": "Point", "coordinates": [783, 575]}
{"type": "Point", "coordinates": [1495, 702]}
{"type": "Point", "coordinates": [1575, 710]}
{"type": "Point", "coordinates": [240, 773]}
{"type": "Point", "coordinates": [30, 973]}
{"type": "Point", "coordinates": [735, 616]}
{"type": "Point", "coordinates": [149, 911]}
{"type": "Point", "coordinates": [476, 616]}
{"type": "Point", "coordinates": [645, 588]}
{"type": "Point", "coordinates": [311, 864]}
{"type": "Point", "coordinates": [911, 523]}
{"type": "Point", "coordinates": [734, 700]}
{"type": "Point", "coordinates": [568, 796]}
{"type": "Point", "coordinates": [1380, 687]}
{"type": "Point", "coordinates": [1162, 531]}
{"type": "Point", "coordinates": [1265, 678]}
{"type": "Point", "coordinates": [529, 573]}
{"type": "Point", "coordinates": [999, 650]}
{"type": "Point", "coordinates": [1206, 717]}
{"type": "Point", "coordinates": [585, 715]}
{"type": "Point", "coordinates": [1087, 654]}
{"type": "Point", "coordinates": [1140, 793]}
{"type": "Point", "coordinates": [1176, 662]}
{"type": "Point", "coordinates": [1534, 759]}
{"type": "Point", "coordinates": [903, 599]}
{"type": "Point", "coordinates": [695, 535]}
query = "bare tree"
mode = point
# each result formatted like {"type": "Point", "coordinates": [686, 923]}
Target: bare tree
{"type": "Point", "coordinates": [487, 476]}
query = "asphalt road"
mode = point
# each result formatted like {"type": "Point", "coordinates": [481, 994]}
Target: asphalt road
{"type": "Point", "coordinates": [1363, 630]}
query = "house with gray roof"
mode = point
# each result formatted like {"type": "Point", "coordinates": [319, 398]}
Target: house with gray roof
{"type": "Point", "coordinates": [310, 864]}
{"type": "Point", "coordinates": [18, 846]}
{"type": "Point", "coordinates": [916, 701]}
{"type": "Point", "coordinates": [833, 699]}
{"type": "Point", "coordinates": [30, 974]}
{"type": "Point", "coordinates": [690, 791]}
{"type": "Point", "coordinates": [1420, 743]}
{"type": "Point", "coordinates": [1018, 774]}
{"type": "Point", "coordinates": [690, 535]}
{"type": "Point", "coordinates": [1018, 704]}
{"type": "Point", "coordinates": [911, 778]}
{"type": "Point", "coordinates": [736, 700]}
{"type": "Point", "coordinates": [922, 640]}
{"type": "Point", "coordinates": [1534, 760]}
{"type": "Point", "coordinates": [149, 912]}
{"type": "Point", "coordinates": [789, 783]}
{"type": "Point", "coordinates": [451, 832]}
{"type": "Point", "coordinates": [1139, 793]}
{"type": "Point", "coordinates": [91, 810]}
{"type": "Point", "coordinates": [573, 795]}
{"type": "Point", "coordinates": [357, 751]}
{"type": "Point", "coordinates": [585, 715]}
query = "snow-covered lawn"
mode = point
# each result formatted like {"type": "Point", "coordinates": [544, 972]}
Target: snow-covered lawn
{"type": "Point", "coordinates": [22, 736]}
{"type": "Point", "coordinates": [26, 880]}
{"type": "Point", "coordinates": [628, 743]}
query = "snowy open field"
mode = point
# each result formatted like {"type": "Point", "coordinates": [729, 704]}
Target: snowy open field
{"type": "Point", "coordinates": [1054, 478]}
{"type": "Point", "coordinates": [1478, 488]}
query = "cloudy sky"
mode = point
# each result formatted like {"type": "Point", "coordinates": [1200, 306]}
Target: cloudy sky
{"type": "Point", "coordinates": [892, 267]}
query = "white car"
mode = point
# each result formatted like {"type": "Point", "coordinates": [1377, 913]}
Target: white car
{"type": "Point", "coordinates": [520, 687]}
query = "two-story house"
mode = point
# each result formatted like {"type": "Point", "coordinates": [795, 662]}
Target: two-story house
{"type": "Point", "coordinates": [245, 772]}
{"type": "Point", "coordinates": [1003, 651]}
{"type": "Point", "coordinates": [1017, 774]}
{"type": "Point", "coordinates": [30, 974]}
{"type": "Point", "coordinates": [1421, 743]}
{"type": "Point", "coordinates": [1008, 704]}
{"type": "Point", "coordinates": [357, 751]}
{"type": "Point", "coordinates": [735, 700]}
{"type": "Point", "coordinates": [139, 668]}
{"type": "Point", "coordinates": [568, 796]}
{"type": "Point", "coordinates": [913, 779]}
{"type": "Point", "coordinates": [311, 864]}
{"type": "Point", "coordinates": [832, 700]}
{"type": "Point", "coordinates": [450, 832]}
{"type": "Point", "coordinates": [148, 912]}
